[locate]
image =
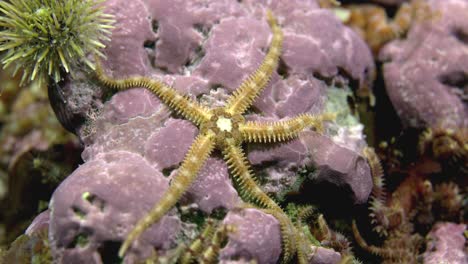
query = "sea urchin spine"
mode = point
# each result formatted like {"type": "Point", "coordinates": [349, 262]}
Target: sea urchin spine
{"type": "Point", "coordinates": [46, 37]}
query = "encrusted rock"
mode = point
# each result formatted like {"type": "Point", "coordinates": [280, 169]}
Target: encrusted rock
{"type": "Point", "coordinates": [203, 49]}
{"type": "Point", "coordinates": [96, 206]}
{"type": "Point", "coordinates": [426, 73]}
{"type": "Point", "coordinates": [390, 2]}
{"type": "Point", "coordinates": [446, 244]}
{"type": "Point", "coordinates": [324, 256]}
{"type": "Point", "coordinates": [256, 236]}
{"type": "Point", "coordinates": [339, 166]}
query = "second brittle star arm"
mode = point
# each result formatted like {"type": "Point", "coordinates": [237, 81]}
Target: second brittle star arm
{"type": "Point", "coordinates": [250, 88]}
{"type": "Point", "coordinates": [243, 176]}
{"type": "Point", "coordinates": [280, 130]}
{"type": "Point", "coordinates": [186, 174]}
{"type": "Point", "coordinates": [190, 109]}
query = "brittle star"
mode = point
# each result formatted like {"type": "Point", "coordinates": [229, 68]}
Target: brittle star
{"type": "Point", "coordinates": [223, 128]}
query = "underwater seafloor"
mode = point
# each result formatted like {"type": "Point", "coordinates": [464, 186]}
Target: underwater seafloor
{"type": "Point", "coordinates": [381, 177]}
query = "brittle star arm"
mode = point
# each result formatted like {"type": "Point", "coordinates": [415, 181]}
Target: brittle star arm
{"type": "Point", "coordinates": [185, 106]}
{"type": "Point", "coordinates": [200, 243]}
{"type": "Point", "coordinates": [251, 87]}
{"type": "Point", "coordinates": [243, 176]}
{"type": "Point", "coordinates": [280, 130]}
{"type": "Point", "coordinates": [194, 160]}
{"type": "Point", "coordinates": [211, 252]}
{"type": "Point", "coordinates": [383, 252]}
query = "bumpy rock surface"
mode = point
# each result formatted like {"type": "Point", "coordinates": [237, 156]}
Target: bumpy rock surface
{"type": "Point", "coordinates": [325, 256]}
{"type": "Point", "coordinates": [426, 74]}
{"type": "Point", "coordinates": [256, 237]}
{"type": "Point", "coordinates": [446, 244]}
{"type": "Point", "coordinates": [204, 49]}
{"type": "Point", "coordinates": [390, 2]}
{"type": "Point", "coordinates": [99, 203]}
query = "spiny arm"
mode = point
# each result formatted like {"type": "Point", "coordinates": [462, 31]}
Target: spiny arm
{"type": "Point", "coordinates": [181, 103]}
{"type": "Point", "coordinates": [243, 175]}
{"type": "Point", "coordinates": [302, 243]}
{"type": "Point", "coordinates": [211, 252]}
{"type": "Point", "coordinates": [201, 242]}
{"type": "Point", "coordinates": [194, 160]}
{"type": "Point", "coordinates": [281, 130]}
{"type": "Point", "coordinates": [378, 199]}
{"type": "Point", "coordinates": [250, 88]}
{"type": "Point", "coordinates": [392, 253]}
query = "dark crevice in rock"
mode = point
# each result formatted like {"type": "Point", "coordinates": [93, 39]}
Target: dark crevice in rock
{"type": "Point", "coordinates": [109, 252]}
{"type": "Point", "coordinates": [193, 62]}
{"type": "Point", "coordinates": [352, 104]}
{"type": "Point", "coordinates": [461, 35]}
{"type": "Point", "coordinates": [150, 48]}
{"type": "Point", "coordinates": [149, 44]}
{"type": "Point", "coordinates": [215, 86]}
{"type": "Point", "coordinates": [167, 171]}
{"type": "Point", "coordinates": [457, 79]}
{"type": "Point", "coordinates": [155, 25]}
{"type": "Point", "coordinates": [219, 213]}
{"type": "Point", "coordinates": [163, 69]}
{"type": "Point", "coordinates": [80, 240]}
{"type": "Point", "coordinates": [334, 80]}
{"type": "Point", "coordinates": [96, 201]}
{"type": "Point", "coordinates": [203, 29]}
{"type": "Point", "coordinates": [190, 214]}
{"type": "Point", "coordinates": [78, 212]}
{"type": "Point", "coordinates": [352, 83]}
{"type": "Point", "coordinates": [326, 79]}
{"type": "Point", "coordinates": [342, 79]}
{"type": "Point", "coordinates": [283, 69]}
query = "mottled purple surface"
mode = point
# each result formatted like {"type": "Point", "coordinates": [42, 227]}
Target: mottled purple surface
{"type": "Point", "coordinates": [40, 222]}
{"type": "Point", "coordinates": [340, 166]}
{"type": "Point", "coordinates": [425, 74]}
{"type": "Point", "coordinates": [99, 204]}
{"type": "Point", "coordinates": [203, 49]}
{"type": "Point", "coordinates": [257, 237]}
{"type": "Point", "coordinates": [212, 188]}
{"type": "Point", "coordinates": [390, 2]}
{"type": "Point", "coordinates": [126, 52]}
{"type": "Point", "coordinates": [324, 256]}
{"type": "Point", "coordinates": [446, 244]}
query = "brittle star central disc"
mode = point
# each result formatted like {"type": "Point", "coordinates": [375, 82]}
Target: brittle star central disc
{"type": "Point", "coordinates": [225, 126]}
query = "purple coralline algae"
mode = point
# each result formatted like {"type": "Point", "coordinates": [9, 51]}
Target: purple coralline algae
{"type": "Point", "coordinates": [205, 49]}
{"type": "Point", "coordinates": [99, 203]}
{"type": "Point", "coordinates": [391, 2]}
{"type": "Point", "coordinates": [446, 244]}
{"type": "Point", "coordinates": [426, 73]}
{"type": "Point", "coordinates": [257, 236]}
{"type": "Point", "coordinates": [325, 256]}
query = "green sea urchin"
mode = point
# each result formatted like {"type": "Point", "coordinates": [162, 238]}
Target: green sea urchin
{"type": "Point", "coordinates": [47, 37]}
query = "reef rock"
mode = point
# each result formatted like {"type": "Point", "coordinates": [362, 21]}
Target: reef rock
{"type": "Point", "coordinates": [446, 244]}
{"type": "Point", "coordinates": [426, 73]}
{"type": "Point", "coordinates": [205, 49]}
{"type": "Point", "coordinates": [390, 2]}
{"type": "Point", "coordinates": [256, 237]}
{"type": "Point", "coordinates": [96, 207]}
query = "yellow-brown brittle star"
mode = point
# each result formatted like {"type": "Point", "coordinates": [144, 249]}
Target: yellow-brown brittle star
{"type": "Point", "coordinates": [223, 128]}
